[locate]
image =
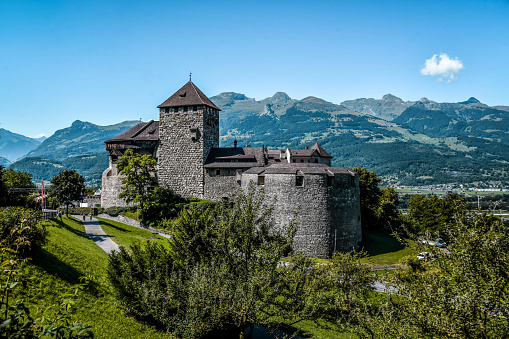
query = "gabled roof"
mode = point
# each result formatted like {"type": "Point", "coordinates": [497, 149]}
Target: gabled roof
{"type": "Point", "coordinates": [299, 152]}
{"type": "Point", "coordinates": [323, 153]}
{"type": "Point", "coordinates": [224, 157]}
{"type": "Point", "coordinates": [188, 95]}
{"type": "Point", "coordinates": [142, 132]}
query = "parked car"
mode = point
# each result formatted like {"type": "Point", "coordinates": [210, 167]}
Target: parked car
{"type": "Point", "coordinates": [426, 256]}
{"type": "Point", "coordinates": [440, 242]}
{"type": "Point", "coordinates": [428, 242]}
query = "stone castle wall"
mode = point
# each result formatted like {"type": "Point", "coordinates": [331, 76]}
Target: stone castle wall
{"type": "Point", "coordinates": [221, 186]}
{"type": "Point", "coordinates": [185, 142]}
{"type": "Point", "coordinates": [111, 187]}
{"type": "Point", "coordinates": [327, 212]}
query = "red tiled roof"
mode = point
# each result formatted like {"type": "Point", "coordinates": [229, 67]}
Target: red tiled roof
{"type": "Point", "coordinates": [188, 95]}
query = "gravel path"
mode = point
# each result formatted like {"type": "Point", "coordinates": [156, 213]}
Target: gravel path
{"type": "Point", "coordinates": [96, 233]}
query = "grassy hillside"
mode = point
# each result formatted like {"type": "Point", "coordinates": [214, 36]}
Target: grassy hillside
{"type": "Point", "coordinates": [68, 255]}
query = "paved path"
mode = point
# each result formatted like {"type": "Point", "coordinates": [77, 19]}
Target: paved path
{"type": "Point", "coordinates": [96, 233]}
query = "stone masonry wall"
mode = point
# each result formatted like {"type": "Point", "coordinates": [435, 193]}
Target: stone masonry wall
{"type": "Point", "coordinates": [111, 187]}
{"type": "Point", "coordinates": [328, 217]}
{"type": "Point", "coordinates": [185, 142]}
{"type": "Point", "coordinates": [220, 186]}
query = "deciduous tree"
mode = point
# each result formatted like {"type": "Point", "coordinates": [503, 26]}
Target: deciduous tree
{"type": "Point", "coordinates": [67, 185]}
{"type": "Point", "coordinates": [138, 173]}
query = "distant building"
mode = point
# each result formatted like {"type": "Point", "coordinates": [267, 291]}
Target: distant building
{"type": "Point", "coordinates": [185, 141]}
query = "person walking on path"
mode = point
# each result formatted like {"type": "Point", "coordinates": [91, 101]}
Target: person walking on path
{"type": "Point", "coordinates": [90, 216]}
{"type": "Point", "coordinates": [83, 217]}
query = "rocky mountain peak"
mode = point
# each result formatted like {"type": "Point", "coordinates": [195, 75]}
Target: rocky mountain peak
{"type": "Point", "coordinates": [472, 100]}
{"type": "Point", "coordinates": [280, 97]}
{"type": "Point", "coordinates": [390, 97]}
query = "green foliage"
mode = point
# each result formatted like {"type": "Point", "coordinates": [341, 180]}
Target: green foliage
{"type": "Point", "coordinates": [19, 230]}
{"type": "Point", "coordinates": [370, 195]}
{"type": "Point", "coordinates": [378, 206]}
{"type": "Point", "coordinates": [138, 177]}
{"type": "Point", "coordinates": [460, 293]}
{"type": "Point", "coordinates": [434, 215]}
{"type": "Point", "coordinates": [389, 218]}
{"type": "Point", "coordinates": [16, 320]}
{"type": "Point", "coordinates": [67, 185]}
{"type": "Point", "coordinates": [161, 203]}
{"type": "Point", "coordinates": [115, 210]}
{"type": "Point", "coordinates": [214, 278]}
{"type": "Point", "coordinates": [11, 180]}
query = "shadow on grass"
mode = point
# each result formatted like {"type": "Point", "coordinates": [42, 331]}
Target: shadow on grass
{"type": "Point", "coordinates": [60, 223]}
{"type": "Point", "coordinates": [52, 265]}
{"type": "Point", "coordinates": [379, 242]}
{"type": "Point", "coordinates": [106, 223]}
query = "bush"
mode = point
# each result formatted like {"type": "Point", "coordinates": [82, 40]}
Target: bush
{"type": "Point", "coordinates": [115, 211]}
{"type": "Point", "coordinates": [18, 223]}
{"type": "Point", "coordinates": [79, 210]}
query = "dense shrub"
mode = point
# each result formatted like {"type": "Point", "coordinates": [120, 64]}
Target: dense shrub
{"type": "Point", "coordinates": [216, 278]}
{"type": "Point", "coordinates": [115, 211]}
{"type": "Point", "coordinates": [16, 224]}
{"type": "Point", "coordinates": [80, 210]}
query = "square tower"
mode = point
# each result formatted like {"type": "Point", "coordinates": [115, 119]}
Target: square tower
{"type": "Point", "coordinates": [188, 129]}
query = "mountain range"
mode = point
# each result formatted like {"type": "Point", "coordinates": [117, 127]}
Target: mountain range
{"type": "Point", "coordinates": [405, 142]}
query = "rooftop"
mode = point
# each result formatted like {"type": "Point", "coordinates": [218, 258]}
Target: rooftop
{"type": "Point", "coordinates": [188, 95]}
{"type": "Point", "coordinates": [144, 131]}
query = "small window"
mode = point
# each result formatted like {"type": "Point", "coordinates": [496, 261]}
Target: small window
{"type": "Point", "coordinates": [185, 109]}
{"type": "Point", "coordinates": [316, 160]}
{"type": "Point", "coordinates": [261, 180]}
{"type": "Point", "coordinates": [330, 180]}
{"type": "Point", "coordinates": [195, 108]}
{"type": "Point", "coordinates": [176, 110]}
{"type": "Point", "coordinates": [293, 160]}
{"type": "Point", "coordinates": [299, 180]}
{"type": "Point", "coordinates": [218, 172]}
{"type": "Point", "coordinates": [166, 110]}
{"type": "Point", "coordinates": [301, 160]}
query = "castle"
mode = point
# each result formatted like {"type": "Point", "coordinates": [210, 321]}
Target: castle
{"type": "Point", "coordinates": [185, 143]}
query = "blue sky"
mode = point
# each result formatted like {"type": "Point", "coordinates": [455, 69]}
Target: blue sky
{"type": "Point", "coordinates": [110, 61]}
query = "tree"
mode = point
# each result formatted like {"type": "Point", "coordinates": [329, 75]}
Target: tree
{"type": "Point", "coordinates": [221, 274]}
{"type": "Point", "coordinates": [138, 177]}
{"type": "Point", "coordinates": [388, 216]}
{"type": "Point", "coordinates": [370, 195]}
{"type": "Point", "coordinates": [4, 191]}
{"type": "Point", "coordinates": [434, 215]}
{"type": "Point", "coordinates": [67, 185]}
{"type": "Point", "coordinates": [18, 180]}
{"type": "Point", "coordinates": [460, 293]}
{"type": "Point", "coordinates": [378, 206]}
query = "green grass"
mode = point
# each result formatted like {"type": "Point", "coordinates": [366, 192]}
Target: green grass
{"type": "Point", "coordinates": [126, 236]}
{"type": "Point", "coordinates": [132, 215]}
{"type": "Point", "coordinates": [383, 249]}
{"type": "Point", "coordinates": [56, 268]}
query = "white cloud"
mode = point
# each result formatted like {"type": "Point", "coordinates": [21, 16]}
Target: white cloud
{"type": "Point", "coordinates": [443, 67]}
{"type": "Point", "coordinates": [38, 136]}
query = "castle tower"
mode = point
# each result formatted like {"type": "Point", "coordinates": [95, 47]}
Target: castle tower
{"type": "Point", "coordinates": [188, 129]}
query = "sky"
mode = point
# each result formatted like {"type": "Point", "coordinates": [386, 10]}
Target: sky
{"type": "Point", "coordinates": [110, 61]}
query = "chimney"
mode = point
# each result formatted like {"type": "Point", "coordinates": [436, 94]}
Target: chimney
{"type": "Point", "coordinates": [235, 143]}
{"type": "Point", "coordinates": [307, 146]}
